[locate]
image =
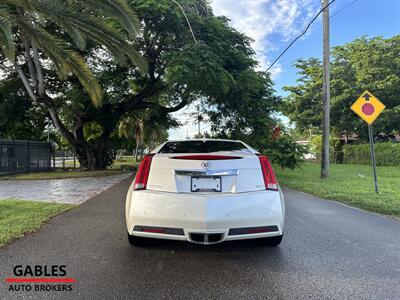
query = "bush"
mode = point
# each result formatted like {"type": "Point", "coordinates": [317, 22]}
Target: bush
{"type": "Point", "coordinates": [335, 149]}
{"type": "Point", "coordinates": [387, 154]}
{"type": "Point", "coordinates": [284, 152]}
{"type": "Point", "coordinates": [316, 146]}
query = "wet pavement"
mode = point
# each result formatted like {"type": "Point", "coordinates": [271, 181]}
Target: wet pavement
{"type": "Point", "coordinates": [329, 251]}
{"type": "Point", "coordinates": [71, 191]}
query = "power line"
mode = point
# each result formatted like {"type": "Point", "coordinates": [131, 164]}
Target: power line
{"type": "Point", "coordinates": [299, 36]}
{"type": "Point", "coordinates": [343, 8]}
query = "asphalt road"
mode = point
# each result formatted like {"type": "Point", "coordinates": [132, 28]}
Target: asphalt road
{"type": "Point", "coordinates": [330, 251]}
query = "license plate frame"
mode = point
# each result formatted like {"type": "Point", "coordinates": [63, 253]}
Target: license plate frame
{"type": "Point", "coordinates": [206, 184]}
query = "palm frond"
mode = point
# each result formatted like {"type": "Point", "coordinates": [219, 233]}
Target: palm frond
{"type": "Point", "coordinates": [78, 37]}
{"type": "Point", "coordinates": [65, 59]}
{"type": "Point", "coordinates": [80, 24]}
{"type": "Point", "coordinates": [119, 10]}
{"type": "Point", "coordinates": [96, 30]}
{"type": "Point", "coordinates": [6, 38]}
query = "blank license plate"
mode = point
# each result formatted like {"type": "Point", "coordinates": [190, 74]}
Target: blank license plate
{"type": "Point", "coordinates": [206, 184]}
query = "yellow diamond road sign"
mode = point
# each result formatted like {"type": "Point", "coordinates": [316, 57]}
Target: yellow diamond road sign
{"type": "Point", "coordinates": [368, 107]}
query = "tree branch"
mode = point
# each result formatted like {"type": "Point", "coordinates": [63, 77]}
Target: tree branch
{"type": "Point", "coordinates": [187, 20]}
{"type": "Point", "coordinates": [39, 70]}
{"type": "Point", "coordinates": [151, 89]}
{"type": "Point", "coordinates": [68, 135]}
{"type": "Point", "coordinates": [181, 105]}
{"type": "Point", "coordinates": [177, 107]}
{"type": "Point", "coordinates": [26, 83]}
{"type": "Point", "coordinates": [28, 59]}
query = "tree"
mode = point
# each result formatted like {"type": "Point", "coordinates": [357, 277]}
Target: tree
{"type": "Point", "coordinates": [365, 63]}
{"type": "Point", "coordinates": [218, 68]}
{"type": "Point", "coordinates": [248, 115]}
{"type": "Point", "coordinates": [132, 128]}
{"type": "Point", "coordinates": [36, 36]}
{"type": "Point", "coordinates": [371, 64]}
{"type": "Point", "coordinates": [304, 103]}
{"type": "Point", "coordinates": [146, 128]}
{"type": "Point", "coordinates": [19, 119]}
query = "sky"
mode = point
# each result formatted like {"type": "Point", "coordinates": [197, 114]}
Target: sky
{"type": "Point", "coordinates": [273, 24]}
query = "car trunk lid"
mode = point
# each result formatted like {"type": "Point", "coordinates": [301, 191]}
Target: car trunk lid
{"type": "Point", "coordinates": [228, 172]}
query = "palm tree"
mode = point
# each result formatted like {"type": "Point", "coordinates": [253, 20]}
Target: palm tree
{"type": "Point", "coordinates": [132, 127]}
{"type": "Point", "coordinates": [29, 46]}
{"type": "Point", "coordinates": [144, 129]}
{"type": "Point", "coordinates": [155, 135]}
{"type": "Point", "coordinates": [37, 36]}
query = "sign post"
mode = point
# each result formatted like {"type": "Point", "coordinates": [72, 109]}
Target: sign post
{"type": "Point", "coordinates": [368, 108]}
{"type": "Point", "coordinates": [371, 142]}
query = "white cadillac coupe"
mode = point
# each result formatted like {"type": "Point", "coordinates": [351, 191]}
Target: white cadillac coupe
{"type": "Point", "coordinates": [205, 191]}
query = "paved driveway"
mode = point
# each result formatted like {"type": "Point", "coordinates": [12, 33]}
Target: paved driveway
{"type": "Point", "coordinates": [329, 251]}
{"type": "Point", "coordinates": [71, 191]}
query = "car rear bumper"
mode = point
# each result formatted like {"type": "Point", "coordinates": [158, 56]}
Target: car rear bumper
{"type": "Point", "coordinates": [187, 214]}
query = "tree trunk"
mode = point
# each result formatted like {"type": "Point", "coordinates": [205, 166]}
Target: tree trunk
{"type": "Point", "coordinates": [91, 160]}
{"type": "Point", "coordinates": [91, 157]}
{"type": "Point", "coordinates": [136, 152]}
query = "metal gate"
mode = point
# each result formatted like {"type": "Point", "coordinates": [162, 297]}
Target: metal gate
{"type": "Point", "coordinates": [18, 156]}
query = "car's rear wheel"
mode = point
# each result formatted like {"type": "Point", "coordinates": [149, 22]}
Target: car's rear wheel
{"type": "Point", "coordinates": [139, 241]}
{"type": "Point", "coordinates": [270, 241]}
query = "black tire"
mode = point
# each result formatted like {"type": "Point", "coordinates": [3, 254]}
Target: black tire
{"type": "Point", "coordinates": [270, 241]}
{"type": "Point", "coordinates": [138, 241]}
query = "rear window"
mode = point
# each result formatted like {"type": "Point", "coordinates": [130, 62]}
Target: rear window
{"type": "Point", "coordinates": [203, 147]}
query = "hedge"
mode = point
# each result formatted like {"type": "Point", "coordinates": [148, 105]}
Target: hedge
{"type": "Point", "coordinates": [387, 154]}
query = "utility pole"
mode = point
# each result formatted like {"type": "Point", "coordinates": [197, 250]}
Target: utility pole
{"type": "Point", "coordinates": [326, 95]}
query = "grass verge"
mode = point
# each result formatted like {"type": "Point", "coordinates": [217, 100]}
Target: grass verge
{"type": "Point", "coordinates": [18, 217]}
{"type": "Point", "coordinates": [125, 163]}
{"type": "Point", "coordinates": [62, 174]}
{"type": "Point", "coordinates": [351, 184]}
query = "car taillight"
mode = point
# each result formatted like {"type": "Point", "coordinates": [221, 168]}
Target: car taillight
{"type": "Point", "coordinates": [143, 173]}
{"type": "Point", "coordinates": [268, 173]}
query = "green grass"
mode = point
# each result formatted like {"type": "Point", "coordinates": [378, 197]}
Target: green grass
{"type": "Point", "coordinates": [18, 217]}
{"type": "Point", "coordinates": [125, 163]}
{"type": "Point", "coordinates": [351, 184]}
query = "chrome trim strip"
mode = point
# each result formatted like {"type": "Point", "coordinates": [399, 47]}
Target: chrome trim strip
{"type": "Point", "coordinates": [190, 172]}
{"type": "Point", "coordinates": [227, 172]}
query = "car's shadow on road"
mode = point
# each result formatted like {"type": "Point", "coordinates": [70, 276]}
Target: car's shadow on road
{"type": "Point", "coordinates": [210, 263]}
